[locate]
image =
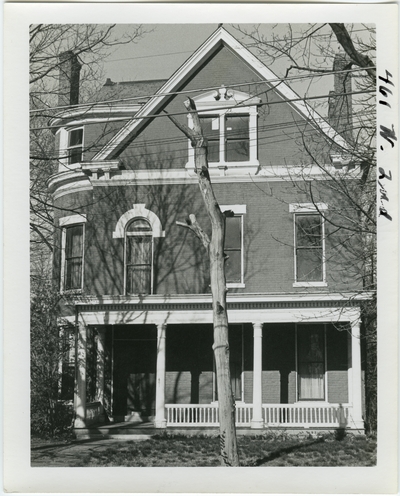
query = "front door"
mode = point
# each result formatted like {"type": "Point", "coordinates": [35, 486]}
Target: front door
{"type": "Point", "coordinates": [134, 378]}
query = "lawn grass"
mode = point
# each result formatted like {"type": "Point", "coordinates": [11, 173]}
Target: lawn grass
{"type": "Point", "coordinates": [271, 451]}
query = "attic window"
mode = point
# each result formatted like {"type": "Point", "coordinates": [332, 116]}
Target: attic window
{"type": "Point", "coordinates": [229, 122]}
{"type": "Point", "coordinates": [228, 137]}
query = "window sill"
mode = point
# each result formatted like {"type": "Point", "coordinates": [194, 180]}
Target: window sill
{"type": "Point", "coordinates": [310, 284]}
{"type": "Point", "coordinates": [235, 285]}
{"type": "Point", "coordinates": [221, 168]}
{"type": "Point", "coordinates": [71, 291]}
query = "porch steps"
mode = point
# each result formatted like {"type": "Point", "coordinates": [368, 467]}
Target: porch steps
{"type": "Point", "coordinates": [139, 431]}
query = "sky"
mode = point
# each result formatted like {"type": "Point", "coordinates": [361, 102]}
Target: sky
{"type": "Point", "coordinates": [165, 47]}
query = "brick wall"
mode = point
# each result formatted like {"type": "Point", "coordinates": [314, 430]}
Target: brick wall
{"type": "Point", "coordinates": [181, 266]}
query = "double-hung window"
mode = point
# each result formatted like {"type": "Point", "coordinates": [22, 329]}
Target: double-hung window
{"type": "Point", "coordinates": [138, 228]}
{"type": "Point", "coordinates": [138, 257]}
{"type": "Point", "coordinates": [233, 249]}
{"type": "Point", "coordinates": [234, 265]}
{"type": "Point", "coordinates": [72, 255]}
{"type": "Point", "coordinates": [309, 245]}
{"type": "Point", "coordinates": [75, 145]}
{"type": "Point", "coordinates": [228, 137]}
{"type": "Point", "coordinates": [229, 122]}
{"type": "Point", "coordinates": [311, 362]}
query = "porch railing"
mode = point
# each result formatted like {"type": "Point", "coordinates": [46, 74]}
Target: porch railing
{"type": "Point", "coordinates": [189, 415]}
{"type": "Point", "coordinates": [306, 416]}
{"type": "Point", "coordinates": [203, 415]}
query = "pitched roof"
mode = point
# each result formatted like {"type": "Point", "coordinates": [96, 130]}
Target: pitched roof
{"type": "Point", "coordinates": [219, 38]}
{"type": "Point", "coordinates": [111, 91]}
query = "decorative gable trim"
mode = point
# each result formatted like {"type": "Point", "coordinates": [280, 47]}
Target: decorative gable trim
{"type": "Point", "coordinates": [219, 38]}
{"type": "Point", "coordinates": [224, 97]}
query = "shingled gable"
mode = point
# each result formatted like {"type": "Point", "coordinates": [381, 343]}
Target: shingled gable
{"type": "Point", "coordinates": [218, 39]}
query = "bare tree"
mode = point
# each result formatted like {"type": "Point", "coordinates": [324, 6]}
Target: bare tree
{"type": "Point", "coordinates": [91, 44]}
{"type": "Point", "coordinates": [215, 251]}
{"type": "Point", "coordinates": [349, 174]}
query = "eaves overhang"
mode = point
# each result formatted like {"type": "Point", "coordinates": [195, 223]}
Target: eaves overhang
{"type": "Point", "coordinates": [93, 113]}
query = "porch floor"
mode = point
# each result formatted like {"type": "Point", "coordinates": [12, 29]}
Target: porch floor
{"type": "Point", "coordinates": [141, 431]}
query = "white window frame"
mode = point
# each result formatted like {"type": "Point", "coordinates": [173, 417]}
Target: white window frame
{"type": "Point", "coordinates": [239, 211]}
{"type": "Point", "coordinates": [310, 401]}
{"type": "Point", "coordinates": [139, 211]}
{"type": "Point", "coordinates": [64, 223]}
{"type": "Point", "coordinates": [133, 234]}
{"type": "Point", "coordinates": [207, 105]}
{"type": "Point", "coordinates": [64, 148]}
{"type": "Point", "coordinates": [312, 209]}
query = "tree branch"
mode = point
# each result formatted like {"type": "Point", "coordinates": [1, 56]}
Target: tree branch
{"type": "Point", "coordinates": [346, 42]}
{"type": "Point", "coordinates": [193, 225]}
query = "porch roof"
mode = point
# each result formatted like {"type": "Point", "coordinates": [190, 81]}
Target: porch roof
{"type": "Point", "coordinates": [197, 309]}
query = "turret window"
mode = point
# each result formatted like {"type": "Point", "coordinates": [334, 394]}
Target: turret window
{"type": "Point", "coordinates": [73, 257]}
{"type": "Point", "coordinates": [75, 146]}
{"type": "Point", "coordinates": [72, 253]}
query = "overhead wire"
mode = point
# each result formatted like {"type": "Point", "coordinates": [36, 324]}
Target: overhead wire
{"type": "Point", "coordinates": [153, 116]}
{"type": "Point", "coordinates": [285, 128]}
{"type": "Point", "coordinates": [195, 90]}
{"type": "Point", "coordinates": [191, 51]}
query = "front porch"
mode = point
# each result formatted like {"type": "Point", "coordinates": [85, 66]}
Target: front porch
{"type": "Point", "coordinates": [203, 419]}
{"type": "Point", "coordinates": [294, 364]}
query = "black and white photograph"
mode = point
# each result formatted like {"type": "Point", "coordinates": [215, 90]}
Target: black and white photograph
{"type": "Point", "coordinates": [207, 205]}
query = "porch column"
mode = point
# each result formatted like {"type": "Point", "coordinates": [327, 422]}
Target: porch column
{"type": "Point", "coordinates": [356, 399]}
{"type": "Point", "coordinates": [257, 420]}
{"type": "Point", "coordinates": [160, 420]}
{"type": "Point", "coordinates": [80, 384]}
{"type": "Point", "coordinates": [100, 367]}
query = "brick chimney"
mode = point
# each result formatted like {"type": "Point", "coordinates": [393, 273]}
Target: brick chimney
{"type": "Point", "coordinates": [340, 112]}
{"type": "Point", "coordinates": [68, 85]}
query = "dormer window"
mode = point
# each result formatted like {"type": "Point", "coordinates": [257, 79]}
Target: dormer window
{"type": "Point", "coordinates": [229, 122]}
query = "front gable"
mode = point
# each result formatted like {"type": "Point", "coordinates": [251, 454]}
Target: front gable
{"type": "Point", "coordinates": [219, 44]}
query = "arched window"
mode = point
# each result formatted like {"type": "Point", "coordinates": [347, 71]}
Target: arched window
{"type": "Point", "coordinates": [138, 257]}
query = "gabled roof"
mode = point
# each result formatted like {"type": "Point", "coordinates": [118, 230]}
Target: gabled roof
{"type": "Point", "coordinates": [128, 89]}
{"type": "Point", "coordinates": [219, 38]}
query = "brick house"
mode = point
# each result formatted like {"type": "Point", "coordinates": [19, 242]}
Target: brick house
{"type": "Point", "coordinates": [136, 284]}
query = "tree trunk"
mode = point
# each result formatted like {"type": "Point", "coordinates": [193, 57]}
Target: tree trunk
{"type": "Point", "coordinates": [215, 248]}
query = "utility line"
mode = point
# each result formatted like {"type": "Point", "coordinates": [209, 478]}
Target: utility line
{"type": "Point", "coordinates": [183, 92]}
{"type": "Point", "coordinates": [216, 109]}
{"type": "Point", "coordinates": [259, 129]}
{"type": "Point", "coordinates": [261, 140]}
{"type": "Point", "coordinates": [246, 35]}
